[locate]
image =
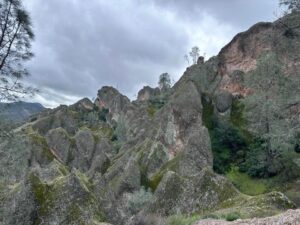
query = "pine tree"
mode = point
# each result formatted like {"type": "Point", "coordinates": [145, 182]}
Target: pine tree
{"type": "Point", "coordinates": [164, 81]}
{"type": "Point", "coordinates": [194, 54]}
{"type": "Point", "coordinates": [16, 36]}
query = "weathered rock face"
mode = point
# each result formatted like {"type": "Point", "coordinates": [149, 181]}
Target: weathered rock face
{"type": "Point", "coordinates": [221, 79]}
{"type": "Point", "coordinates": [60, 143]}
{"type": "Point", "coordinates": [84, 105]}
{"type": "Point", "coordinates": [223, 101]}
{"type": "Point", "coordinates": [242, 52]}
{"type": "Point", "coordinates": [203, 191]}
{"type": "Point", "coordinates": [173, 133]}
{"type": "Point", "coordinates": [110, 98]}
{"type": "Point", "coordinates": [85, 151]}
{"type": "Point", "coordinates": [52, 197]}
{"type": "Point", "coordinates": [147, 93]}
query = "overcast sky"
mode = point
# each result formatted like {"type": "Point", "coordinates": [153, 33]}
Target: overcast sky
{"type": "Point", "coordinates": [81, 46]}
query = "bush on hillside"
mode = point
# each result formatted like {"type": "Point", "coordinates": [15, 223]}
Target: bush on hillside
{"type": "Point", "coordinates": [232, 216]}
{"type": "Point", "coordinates": [138, 200]}
{"type": "Point", "coordinates": [228, 146]}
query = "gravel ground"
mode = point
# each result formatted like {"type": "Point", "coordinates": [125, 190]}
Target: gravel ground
{"type": "Point", "coordinates": [291, 217]}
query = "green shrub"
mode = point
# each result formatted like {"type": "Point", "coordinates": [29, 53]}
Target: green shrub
{"type": "Point", "coordinates": [256, 160]}
{"type": "Point", "coordinates": [91, 118]}
{"type": "Point", "coordinates": [228, 146]}
{"type": "Point", "coordinates": [207, 113]}
{"type": "Point", "coordinates": [151, 110]}
{"type": "Point", "coordinates": [138, 200]}
{"type": "Point", "coordinates": [290, 169]}
{"type": "Point", "coordinates": [237, 114]}
{"type": "Point", "coordinates": [32, 119]}
{"type": "Point", "coordinates": [120, 130]}
{"type": "Point", "coordinates": [180, 219]}
{"type": "Point", "coordinates": [103, 114]}
{"type": "Point", "coordinates": [260, 163]}
{"type": "Point", "coordinates": [232, 216]}
{"type": "Point", "coordinates": [245, 183]}
{"type": "Point", "coordinates": [114, 137]}
{"type": "Point", "coordinates": [155, 104]}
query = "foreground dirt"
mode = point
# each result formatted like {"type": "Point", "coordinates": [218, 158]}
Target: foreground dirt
{"type": "Point", "coordinates": [291, 217]}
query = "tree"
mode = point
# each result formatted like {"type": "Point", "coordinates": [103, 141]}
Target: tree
{"type": "Point", "coordinates": [16, 36]}
{"type": "Point", "coordinates": [187, 59]}
{"type": "Point", "coordinates": [266, 109]}
{"type": "Point", "coordinates": [292, 5]}
{"type": "Point", "coordinates": [164, 81]}
{"type": "Point", "coordinates": [194, 54]}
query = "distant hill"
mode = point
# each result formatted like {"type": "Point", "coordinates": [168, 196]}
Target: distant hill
{"type": "Point", "coordinates": [19, 111]}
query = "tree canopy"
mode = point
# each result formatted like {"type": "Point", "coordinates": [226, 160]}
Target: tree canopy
{"type": "Point", "coordinates": [266, 112]}
{"type": "Point", "coordinates": [194, 54]}
{"type": "Point", "coordinates": [164, 81]}
{"type": "Point", "coordinates": [16, 36]}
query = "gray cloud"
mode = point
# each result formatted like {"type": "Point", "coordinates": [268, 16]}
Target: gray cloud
{"type": "Point", "coordinates": [239, 13]}
{"type": "Point", "coordinates": [83, 45]}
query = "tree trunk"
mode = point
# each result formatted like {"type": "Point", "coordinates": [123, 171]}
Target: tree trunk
{"type": "Point", "coordinates": [5, 25]}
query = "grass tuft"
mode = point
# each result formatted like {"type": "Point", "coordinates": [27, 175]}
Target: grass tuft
{"type": "Point", "coordinates": [246, 184]}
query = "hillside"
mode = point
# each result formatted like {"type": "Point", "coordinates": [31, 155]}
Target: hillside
{"type": "Point", "coordinates": [19, 111]}
{"type": "Point", "coordinates": [181, 152]}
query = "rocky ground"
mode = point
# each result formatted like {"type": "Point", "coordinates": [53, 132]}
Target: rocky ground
{"type": "Point", "coordinates": [291, 217]}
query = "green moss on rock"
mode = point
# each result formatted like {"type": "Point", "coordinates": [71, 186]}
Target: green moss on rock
{"type": "Point", "coordinates": [171, 165]}
{"type": "Point", "coordinates": [71, 194]}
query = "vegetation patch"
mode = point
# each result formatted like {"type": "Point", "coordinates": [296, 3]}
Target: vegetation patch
{"type": "Point", "coordinates": [156, 103]}
{"type": "Point", "coordinates": [229, 143]}
{"type": "Point", "coordinates": [232, 216]}
{"type": "Point", "coordinates": [247, 184]}
{"type": "Point", "coordinates": [180, 219]}
{"type": "Point", "coordinates": [171, 165]}
{"type": "Point", "coordinates": [103, 114]}
{"type": "Point", "coordinates": [138, 200]}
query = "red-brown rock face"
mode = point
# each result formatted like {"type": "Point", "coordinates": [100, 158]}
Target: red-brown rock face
{"type": "Point", "coordinates": [242, 52]}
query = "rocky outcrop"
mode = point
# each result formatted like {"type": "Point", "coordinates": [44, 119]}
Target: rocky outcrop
{"type": "Point", "coordinates": [110, 98]}
{"type": "Point", "coordinates": [84, 163]}
{"type": "Point", "coordinates": [203, 191]}
{"type": "Point", "coordinates": [52, 197]}
{"type": "Point", "coordinates": [85, 151]}
{"type": "Point", "coordinates": [223, 101]}
{"type": "Point", "coordinates": [242, 52]}
{"type": "Point", "coordinates": [147, 93]}
{"type": "Point", "coordinates": [59, 142]}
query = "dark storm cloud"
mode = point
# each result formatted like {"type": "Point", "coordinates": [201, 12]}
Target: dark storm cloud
{"type": "Point", "coordinates": [83, 45]}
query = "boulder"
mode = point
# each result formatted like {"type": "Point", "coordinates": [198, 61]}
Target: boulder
{"type": "Point", "coordinates": [223, 102]}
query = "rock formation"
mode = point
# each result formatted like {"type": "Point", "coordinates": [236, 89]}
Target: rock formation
{"type": "Point", "coordinates": [84, 163]}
